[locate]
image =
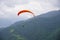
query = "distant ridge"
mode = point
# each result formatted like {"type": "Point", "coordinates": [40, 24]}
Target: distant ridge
{"type": "Point", "coordinates": [42, 27]}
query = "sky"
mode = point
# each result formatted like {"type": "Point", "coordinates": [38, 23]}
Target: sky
{"type": "Point", "coordinates": [10, 8]}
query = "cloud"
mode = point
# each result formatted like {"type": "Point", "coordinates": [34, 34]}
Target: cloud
{"type": "Point", "coordinates": [55, 3]}
{"type": "Point", "coordinates": [12, 3]}
{"type": "Point", "coordinates": [10, 8]}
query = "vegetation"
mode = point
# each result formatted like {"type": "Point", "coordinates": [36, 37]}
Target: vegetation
{"type": "Point", "coordinates": [16, 35]}
{"type": "Point", "coordinates": [43, 27]}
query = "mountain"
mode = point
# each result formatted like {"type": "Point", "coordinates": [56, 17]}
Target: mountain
{"type": "Point", "coordinates": [1, 29]}
{"type": "Point", "coordinates": [42, 27]}
{"type": "Point", "coordinates": [5, 22]}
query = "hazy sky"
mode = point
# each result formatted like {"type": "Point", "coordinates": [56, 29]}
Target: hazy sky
{"type": "Point", "coordinates": [10, 8]}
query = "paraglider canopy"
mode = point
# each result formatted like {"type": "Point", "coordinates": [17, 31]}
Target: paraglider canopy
{"type": "Point", "coordinates": [23, 11]}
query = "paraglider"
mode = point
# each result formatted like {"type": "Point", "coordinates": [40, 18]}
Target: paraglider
{"type": "Point", "coordinates": [23, 11]}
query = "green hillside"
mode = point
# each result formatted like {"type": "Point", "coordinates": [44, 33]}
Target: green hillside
{"type": "Point", "coordinates": [42, 27]}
